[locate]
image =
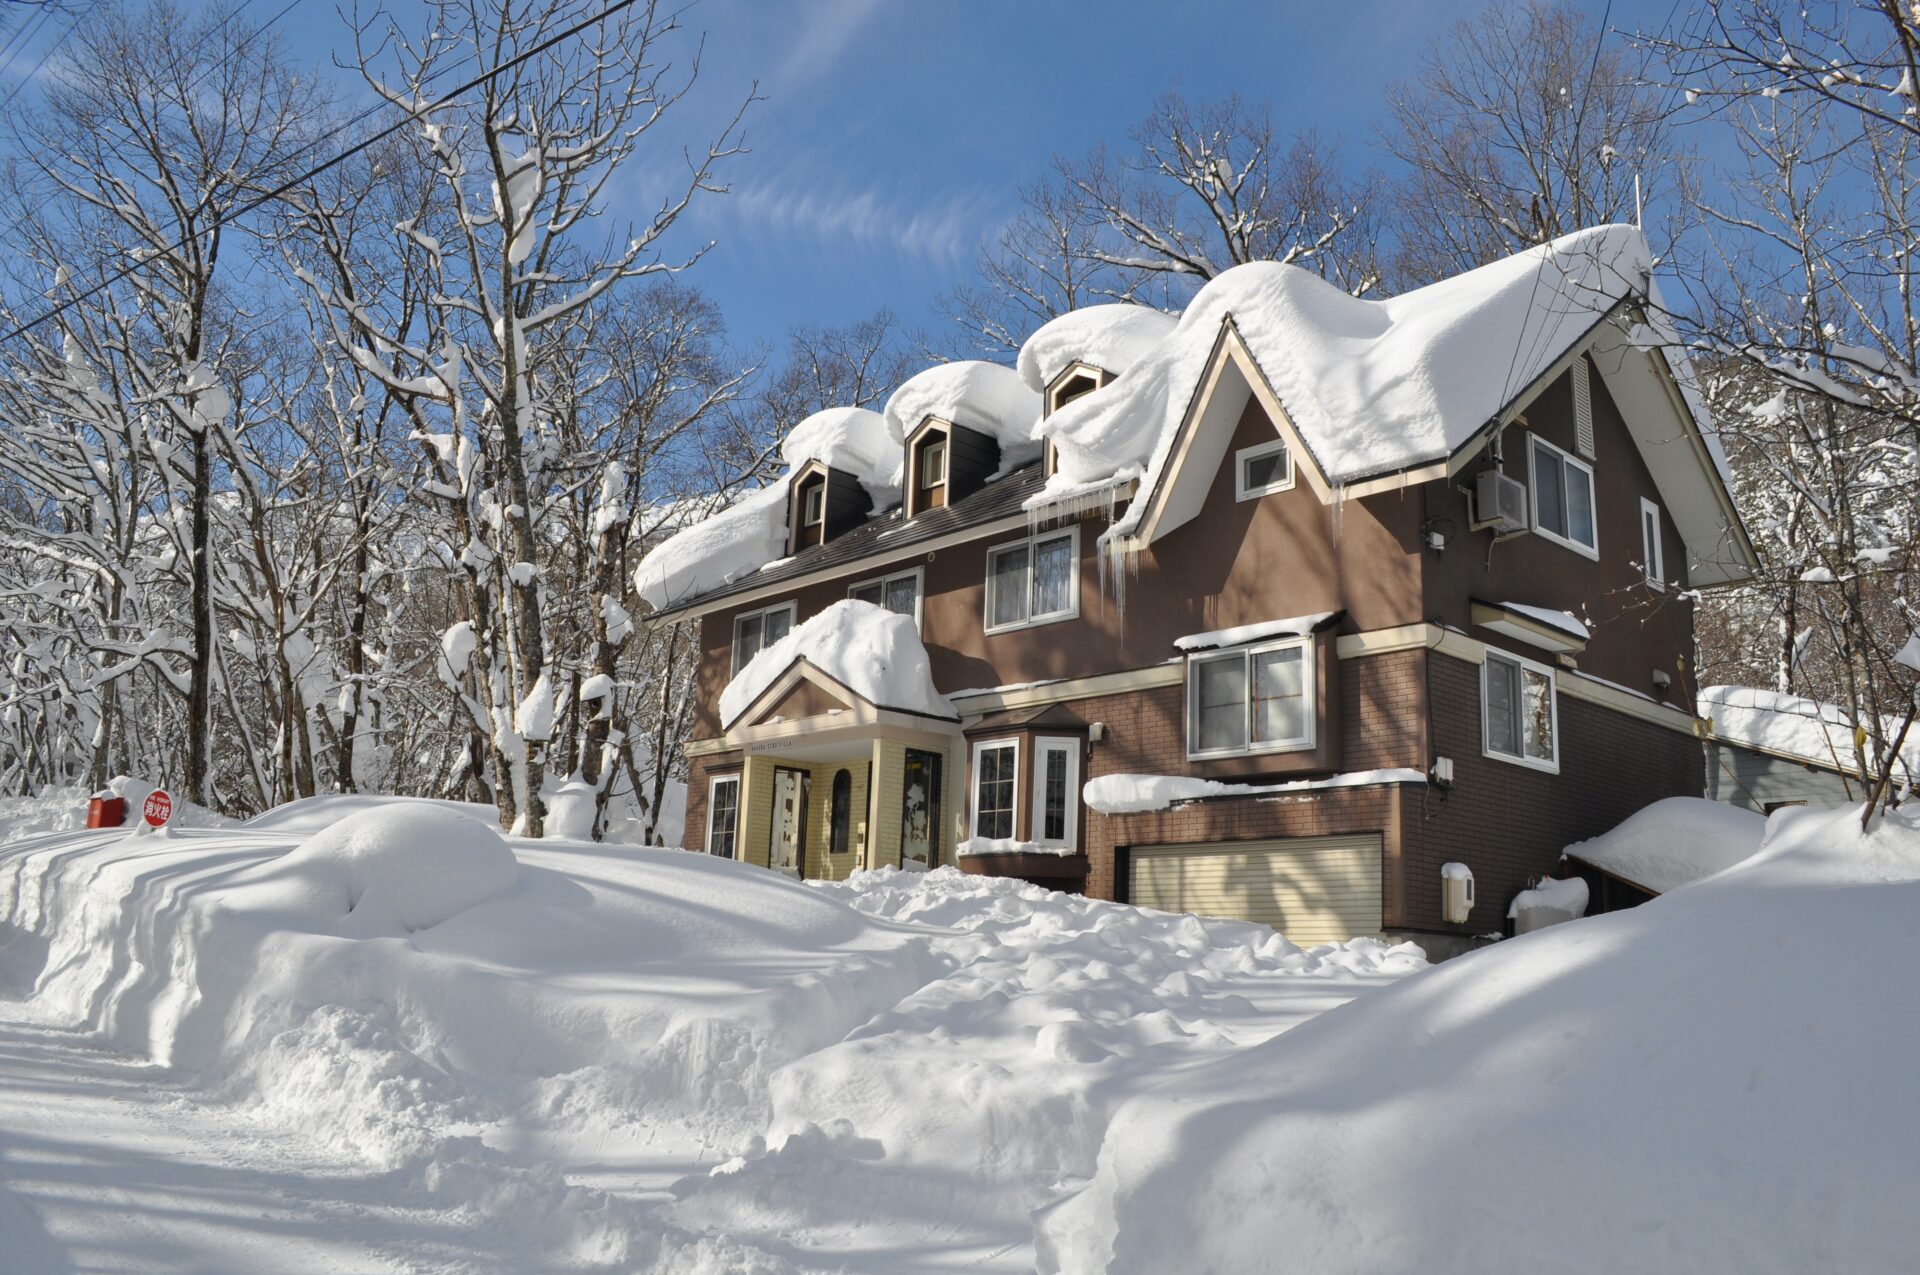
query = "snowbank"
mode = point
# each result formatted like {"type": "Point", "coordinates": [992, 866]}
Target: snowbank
{"type": "Point", "coordinates": [1675, 842]}
{"type": "Point", "coordinates": [974, 1096]}
{"type": "Point", "coordinates": [1720, 1080]}
{"type": "Point", "coordinates": [868, 649]}
{"type": "Point", "coordinates": [408, 865]}
{"type": "Point", "coordinates": [1372, 386]}
{"type": "Point", "coordinates": [1788, 724]}
{"type": "Point", "coordinates": [1109, 337]}
{"type": "Point", "coordinates": [981, 396]}
{"type": "Point", "coordinates": [1549, 902]}
{"type": "Point", "coordinates": [752, 532]}
{"type": "Point", "coordinates": [1132, 794]}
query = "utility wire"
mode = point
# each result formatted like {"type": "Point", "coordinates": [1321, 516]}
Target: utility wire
{"type": "Point", "coordinates": [437, 104]}
{"type": "Point", "coordinates": [45, 53]}
{"type": "Point", "coordinates": [1546, 249]}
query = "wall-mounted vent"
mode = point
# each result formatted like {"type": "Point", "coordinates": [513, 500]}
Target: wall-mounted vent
{"type": "Point", "coordinates": [1499, 502]}
{"type": "Point", "coordinates": [1582, 409]}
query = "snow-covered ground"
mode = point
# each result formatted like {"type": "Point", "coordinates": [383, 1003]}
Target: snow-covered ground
{"type": "Point", "coordinates": [1721, 1080]}
{"type": "Point", "coordinates": [359, 1035]}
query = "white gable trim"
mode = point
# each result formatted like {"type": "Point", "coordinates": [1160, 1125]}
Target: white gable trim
{"type": "Point", "coordinates": [1231, 380]}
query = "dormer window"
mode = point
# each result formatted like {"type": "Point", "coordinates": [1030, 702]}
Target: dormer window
{"type": "Point", "coordinates": [809, 510]}
{"type": "Point", "coordinates": [930, 457]}
{"type": "Point", "coordinates": [1079, 380]}
{"type": "Point", "coordinates": [815, 506]}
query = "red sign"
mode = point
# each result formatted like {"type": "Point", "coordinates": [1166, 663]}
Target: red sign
{"type": "Point", "coordinates": [159, 807]}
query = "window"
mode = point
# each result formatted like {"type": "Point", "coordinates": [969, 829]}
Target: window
{"type": "Point", "coordinates": [1263, 469]}
{"type": "Point", "coordinates": [1652, 561]}
{"type": "Point", "coordinates": [755, 631]}
{"type": "Point", "coordinates": [1034, 581]}
{"type": "Point", "coordinates": [723, 815]}
{"type": "Point", "coordinates": [813, 508]}
{"type": "Point", "coordinates": [1563, 498]}
{"type": "Point", "coordinates": [899, 594]}
{"type": "Point", "coordinates": [1067, 390]}
{"type": "Point", "coordinates": [840, 814]}
{"type": "Point", "coordinates": [994, 788]}
{"type": "Point", "coordinates": [933, 463]}
{"type": "Point", "coordinates": [1255, 700]}
{"type": "Point", "coordinates": [1518, 704]}
{"type": "Point", "coordinates": [1056, 797]}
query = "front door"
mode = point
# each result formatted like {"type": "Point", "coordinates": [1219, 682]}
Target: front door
{"type": "Point", "coordinates": [920, 812]}
{"type": "Point", "coordinates": [789, 820]}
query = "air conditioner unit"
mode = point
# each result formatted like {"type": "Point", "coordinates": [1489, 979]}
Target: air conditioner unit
{"type": "Point", "coordinates": [1499, 502]}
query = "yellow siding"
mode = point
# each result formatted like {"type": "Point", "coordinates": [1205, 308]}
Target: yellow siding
{"type": "Point", "coordinates": [821, 862]}
{"type": "Point", "coordinates": [889, 774]}
{"type": "Point", "coordinates": [1312, 889]}
{"type": "Point", "coordinates": [756, 810]}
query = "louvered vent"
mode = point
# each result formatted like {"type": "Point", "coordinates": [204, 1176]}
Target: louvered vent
{"type": "Point", "coordinates": [1582, 410]}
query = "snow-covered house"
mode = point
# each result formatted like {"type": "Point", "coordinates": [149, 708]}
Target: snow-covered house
{"type": "Point", "coordinates": [1767, 749]}
{"type": "Point", "coordinates": [1268, 609]}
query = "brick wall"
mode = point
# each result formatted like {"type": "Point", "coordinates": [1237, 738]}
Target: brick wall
{"type": "Point", "coordinates": [1383, 713]}
{"type": "Point", "coordinates": [1509, 822]}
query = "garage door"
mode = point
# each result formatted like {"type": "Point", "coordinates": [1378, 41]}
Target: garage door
{"type": "Point", "coordinates": [1312, 889]}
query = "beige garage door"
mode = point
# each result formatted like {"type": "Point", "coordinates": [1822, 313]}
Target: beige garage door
{"type": "Point", "coordinates": [1311, 889]}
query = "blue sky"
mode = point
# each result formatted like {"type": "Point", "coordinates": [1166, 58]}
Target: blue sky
{"type": "Point", "coordinates": [895, 133]}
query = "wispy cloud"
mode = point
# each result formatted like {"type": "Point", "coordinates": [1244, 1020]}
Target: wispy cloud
{"type": "Point", "coordinates": [942, 230]}
{"type": "Point", "coordinates": [830, 27]}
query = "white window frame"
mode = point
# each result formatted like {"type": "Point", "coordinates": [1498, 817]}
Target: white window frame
{"type": "Point", "coordinates": [919, 575]}
{"type": "Point", "coordinates": [1240, 458]}
{"type": "Point", "coordinates": [928, 449]}
{"type": "Point", "coordinates": [1057, 396]}
{"type": "Point", "coordinates": [1652, 556]}
{"type": "Point", "coordinates": [1310, 693]}
{"type": "Point", "coordinates": [1043, 745]}
{"type": "Point", "coordinates": [1031, 543]}
{"type": "Point", "coordinates": [1525, 665]}
{"type": "Point", "coordinates": [973, 788]}
{"type": "Point", "coordinates": [1566, 458]}
{"type": "Point", "coordinates": [733, 646]}
{"type": "Point", "coordinates": [809, 515]}
{"type": "Point", "coordinates": [713, 787]}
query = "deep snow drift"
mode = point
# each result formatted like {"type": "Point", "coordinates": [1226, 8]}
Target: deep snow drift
{"type": "Point", "coordinates": [1675, 842]}
{"type": "Point", "coordinates": [1720, 1080]}
{"type": "Point", "coordinates": [575, 1056]}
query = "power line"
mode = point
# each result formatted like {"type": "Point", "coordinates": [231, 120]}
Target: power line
{"type": "Point", "coordinates": [1520, 338]}
{"type": "Point", "coordinates": [437, 104]}
{"type": "Point", "coordinates": [45, 53]}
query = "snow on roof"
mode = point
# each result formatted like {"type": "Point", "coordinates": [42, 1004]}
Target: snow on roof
{"type": "Point", "coordinates": [1372, 386]}
{"type": "Point", "coordinates": [1780, 723]}
{"type": "Point", "coordinates": [752, 532]}
{"type": "Point", "coordinates": [871, 651]}
{"type": "Point", "coordinates": [1561, 620]}
{"type": "Point", "coordinates": [1109, 337]}
{"type": "Point", "coordinates": [1299, 625]}
{"type": "Point", "coordinates": [1552, 895]}
{"type": "Point", "coordinates": [1674, 843]}
{"type": "Point", "coordinates": [981, 396]}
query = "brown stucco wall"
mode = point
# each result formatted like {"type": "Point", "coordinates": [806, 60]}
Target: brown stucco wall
{"type": "Point", "coordinates": [1635, 629]}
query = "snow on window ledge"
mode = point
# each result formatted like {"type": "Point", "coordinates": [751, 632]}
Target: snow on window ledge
{"type": "Point", "coordinates": [974, 847]}
{"type": "Point", "coordinates": [1296, 626]}
{"type": "Point", "coordinates": [1135, 794]}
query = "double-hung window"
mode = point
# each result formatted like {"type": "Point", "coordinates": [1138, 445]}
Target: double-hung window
{"type": "Point", "coordinates": [1252, 700]}
{"type": "Point", "coordinates": [1034, 581]}
{"type": "Point", "coordinates": [723, 816]}
{"type": "Point", "coordinates": [1563, 498]}
{"type": "Point", "coordinates": [899, 594]}
{"type": "Point", "coordinates": [996, 767]}
{"type": "Point", "coordinates": [755, 631]}
{"type": "Point", "coordinates": [1519, 709]}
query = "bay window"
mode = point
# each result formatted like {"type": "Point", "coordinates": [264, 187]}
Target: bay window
{"type": "Point", "coordinates": [996, 765]}
{"type": "Point", "coordinates": [1056, 791]}
{"type": "Point", "coordinates": [1253, 700]}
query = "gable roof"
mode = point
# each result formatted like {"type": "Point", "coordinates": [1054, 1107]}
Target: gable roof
{"type": "Point", "coordinates": [855, 650]}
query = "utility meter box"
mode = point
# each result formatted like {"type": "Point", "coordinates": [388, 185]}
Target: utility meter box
{"type": "Point", "coordinates": [1456, 893]}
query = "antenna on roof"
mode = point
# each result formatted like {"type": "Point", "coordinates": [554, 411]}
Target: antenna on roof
{"type": "Point", "coordinates": [1637, 210]}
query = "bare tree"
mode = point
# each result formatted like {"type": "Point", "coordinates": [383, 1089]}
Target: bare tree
{"type": "Point", "coordinates": [1523, 124]}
